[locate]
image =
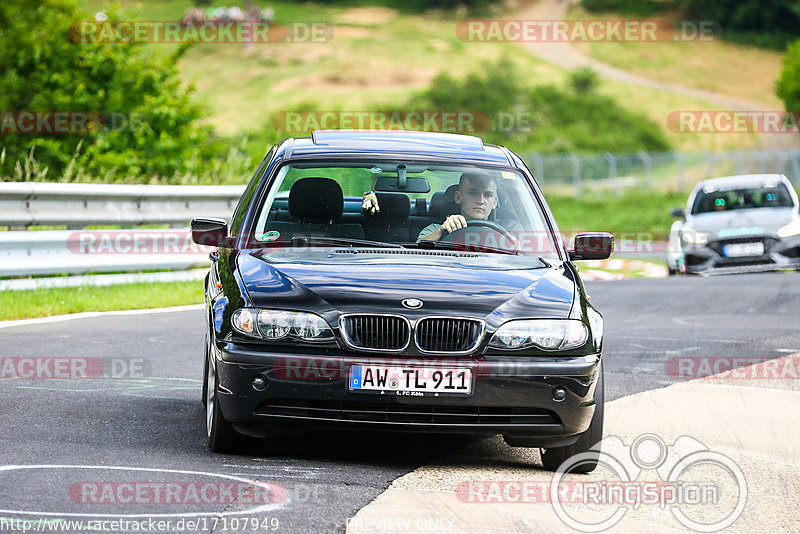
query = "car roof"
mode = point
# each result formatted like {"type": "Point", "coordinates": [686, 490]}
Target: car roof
{"type": "Point", "coordinates": [413, 145]}
{"type": "Point", "coordinates": [745, 180]}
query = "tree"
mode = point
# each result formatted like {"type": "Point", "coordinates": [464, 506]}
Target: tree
{"type": "Point", "coordinates": [788, 85]}
{"type": "Point", "coordinates": [43, 69]}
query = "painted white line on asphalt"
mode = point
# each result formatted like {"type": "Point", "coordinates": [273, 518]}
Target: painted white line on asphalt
{"type": "Point", "coordinates": [85, 315]}
{"type": "Point", "coordinates": [258, 509]}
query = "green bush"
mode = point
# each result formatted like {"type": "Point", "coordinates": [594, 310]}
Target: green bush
{"type": "Point", "coordinates": [788, 85]}
{"type": "Point", "coordinates": [43, 69]}
{"type": "Point", "coordinates": [542, 118]}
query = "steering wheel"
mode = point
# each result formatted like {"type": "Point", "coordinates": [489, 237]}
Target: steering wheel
{"type": "Point", "coordinates": [491, 225]}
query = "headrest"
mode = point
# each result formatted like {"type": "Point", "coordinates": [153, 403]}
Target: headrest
{"type": "Point", "coordinates": [421, 207]}
{"type": "Point", "coordinates": [443, 203]}
{"type": "Point", "coordinates": [393, 206]}
{"type": "Point", "coordinates": [316, 198]}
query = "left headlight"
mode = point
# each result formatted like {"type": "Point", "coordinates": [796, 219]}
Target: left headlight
{"type": "Point", "coordinates": [690, 235]}
{"type": "Point", "coordinates": [547, 334]}
{"type": "Point", "coordinates": [275, 325]}
{"type": "Point", "coordinates": [793, 228]}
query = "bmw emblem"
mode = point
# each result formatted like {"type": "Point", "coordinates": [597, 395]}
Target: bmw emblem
{"type": "Point", "coordinates": [412, 303]}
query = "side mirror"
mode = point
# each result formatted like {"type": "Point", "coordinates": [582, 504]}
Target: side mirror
{"type": "Point", "coordinates": [678, 213]}
{"type": "Point", "coordinates": [592, 246]}
{"type": "Point", "coordinates": [210, 232]}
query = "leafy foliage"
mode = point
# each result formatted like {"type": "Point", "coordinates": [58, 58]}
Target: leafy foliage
{"type": "Point", "coordinates": [544, 118]}
{"type": "Point", "coordinates": [788, 85]}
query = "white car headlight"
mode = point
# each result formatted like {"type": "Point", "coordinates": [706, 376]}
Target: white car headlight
{"type": "Point", "coordinates": [690, 235]}
{"type": "Point", "coordinates": [548, 334]}
{"type": "Point", "coordinates": [793, 228]}
{"type": "Point", "coordinates": [274, 325]}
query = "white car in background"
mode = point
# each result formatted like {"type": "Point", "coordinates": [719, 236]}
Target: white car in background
{"type": "Point", "coordinates": [737, 223]}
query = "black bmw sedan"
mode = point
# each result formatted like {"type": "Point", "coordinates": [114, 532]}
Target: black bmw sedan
{"type": "Point", "coordinates": [400, 281]}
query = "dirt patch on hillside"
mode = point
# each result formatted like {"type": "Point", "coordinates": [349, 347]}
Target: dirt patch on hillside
{"type": "Point", "coordinates": [367, 16]}
{"type": "Point", "coordinates": [359, 79]}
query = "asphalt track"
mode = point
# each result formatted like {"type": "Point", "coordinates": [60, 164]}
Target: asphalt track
{"type": "Point", "coordinates": [154, 422]}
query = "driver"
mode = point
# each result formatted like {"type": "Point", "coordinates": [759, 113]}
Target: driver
{"type": "Point", "coordinates": [477, 196]}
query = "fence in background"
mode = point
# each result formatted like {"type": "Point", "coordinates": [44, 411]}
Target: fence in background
{"type": "Point", "coordinates": [78, 206]}
{"type": "Point", "coordinates": [678, 171]}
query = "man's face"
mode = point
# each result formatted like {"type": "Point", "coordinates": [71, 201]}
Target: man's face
{"type": "Point", "coordinates": [477, 198]}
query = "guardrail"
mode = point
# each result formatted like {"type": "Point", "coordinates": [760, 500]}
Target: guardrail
{"type": "Point", "coordinates": [24, 204]}
{"type": "Point", "coordinates": [25, 252]}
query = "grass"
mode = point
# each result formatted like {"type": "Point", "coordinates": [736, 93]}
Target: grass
{"type": "Point", "coordinates": [377, 58]}
{"type": "Point", "coordinates": [57, 301]}
{"type": "Point", "coordinates": [735, 70]}
{"type": "Point", "coordinates": [635, 211]}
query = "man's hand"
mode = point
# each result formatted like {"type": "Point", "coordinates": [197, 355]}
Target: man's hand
{"type": "Point", "coordinates": [453, 223]}
{"type": "Point", "coordinates": [370, 204]}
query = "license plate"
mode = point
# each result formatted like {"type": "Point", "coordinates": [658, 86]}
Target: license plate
{"type": "Point", "coordinates": [737, 250]}
{"type": "Point", "coordinates": [411, 381]}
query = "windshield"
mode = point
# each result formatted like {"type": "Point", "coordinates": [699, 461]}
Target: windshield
{"type": "Point", "coordinates": [738, 198]}
{"type": "Point", "coordinates": [405, 204]}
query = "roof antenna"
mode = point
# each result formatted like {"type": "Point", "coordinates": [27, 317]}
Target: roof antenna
{"type": "Point", "coordinates": [401, 176]}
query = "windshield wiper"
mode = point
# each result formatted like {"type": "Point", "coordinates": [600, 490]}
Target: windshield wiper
{"type": "Point", "coordinates": [466, 247]}
{"type": "Point", "coordinates": [346, 241]}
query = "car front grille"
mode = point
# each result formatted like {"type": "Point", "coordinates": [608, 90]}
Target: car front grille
{"type": "Point", "coordinates": [442, 334]}
{"type": "Point", "coordinates": [376, 332]}
{"type": "Point", "coordinates": [400, 413]}
{"type": "Point", "coordinates": [392, 333]}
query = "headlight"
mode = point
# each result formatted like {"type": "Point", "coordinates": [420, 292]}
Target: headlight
{"type": "Point", "coordinates": [275, 325]}
{"type": "Point", "coordinates": [793, 228]}
{"type": "Point", "coordinates": [243, 320]}
{"type": "Point", "coordinates": [690, 235]}
{"type": "Point", "coordinates": [548, 334]}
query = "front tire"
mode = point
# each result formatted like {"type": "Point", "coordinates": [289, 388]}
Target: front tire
{"type": "Point", "coordinates": [222, 437]}
{"type": "Point", "coordinates": [553, 457]}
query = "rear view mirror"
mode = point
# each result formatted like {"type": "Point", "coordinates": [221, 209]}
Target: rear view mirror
{"type": "Point", "coordinates": [678, 213]}
{"type": "Point", "coordinates": [592, 246]}
{"type": "Point", "coordinates": [210, 232]}
{"type": "Point", "coordinates": [393, 184]}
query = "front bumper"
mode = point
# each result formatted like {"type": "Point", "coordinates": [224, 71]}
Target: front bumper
{"type": "Point", "coordinates": [512, 396]}
{"type": "Point", "coordinates": [778, 254]}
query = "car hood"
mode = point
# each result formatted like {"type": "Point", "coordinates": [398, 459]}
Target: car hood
{"type": "Point", "coordinates": [737, 223]}
{"type": "Point", "coordinates": [337, 287]}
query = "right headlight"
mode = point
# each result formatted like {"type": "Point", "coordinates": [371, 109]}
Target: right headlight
{"type": "Point", "coordinates": [274, 325]}
{"type": "Point", "coordinates": [793, 228]}
{"type": "Point", "coordinates": [547, 334]}
{"type": "Point", "coordinates": [690, 235]}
